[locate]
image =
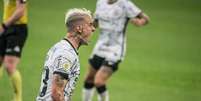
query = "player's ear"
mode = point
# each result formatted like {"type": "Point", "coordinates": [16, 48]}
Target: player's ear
{"type": "Point", "coordinates": [79, 29]}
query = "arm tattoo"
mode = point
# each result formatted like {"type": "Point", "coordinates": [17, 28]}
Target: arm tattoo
{"type": "Point", "coordinates": [59, 84]}
{"type": "Point", "coordinates": [59, 80]}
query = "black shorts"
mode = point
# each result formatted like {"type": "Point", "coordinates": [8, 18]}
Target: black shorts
{"type": "Point", "coordinates": [97, 61]}
{"type": "Point", "coordinates": [13, 39]}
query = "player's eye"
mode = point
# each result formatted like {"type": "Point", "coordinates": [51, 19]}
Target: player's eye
{"type": "Point", "coordinates": [91, 24]}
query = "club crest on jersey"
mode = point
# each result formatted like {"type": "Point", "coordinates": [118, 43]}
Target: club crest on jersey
{"type": "Point", "coordinates": [66, 66]}
{"type": "Point", "coordinates": [62, 63]}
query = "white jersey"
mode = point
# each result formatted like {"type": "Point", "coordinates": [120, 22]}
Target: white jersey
{"type": "Point", "coordinates": [113, 19]}
{"type": "Point", "coordinates": [62, 58]}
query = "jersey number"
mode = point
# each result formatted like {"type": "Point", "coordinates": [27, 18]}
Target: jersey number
{"type": "Point", "coordinates": [46, 78]}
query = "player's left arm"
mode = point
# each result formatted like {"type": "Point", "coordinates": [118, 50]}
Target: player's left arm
{"type": "Point", "coordinates": [58, 85]}
{"type": "Point", "coordinates": [18, 13]}
{"type": "Point", "coordinates": [61, 75]}
{"type": "Point", "coordinates": [137, 17]}
{"type": "Point", "coordinates": [140, 20]}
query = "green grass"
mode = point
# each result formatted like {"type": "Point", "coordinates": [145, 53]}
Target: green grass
{"type": "Point", "coordinates": [163, 61]}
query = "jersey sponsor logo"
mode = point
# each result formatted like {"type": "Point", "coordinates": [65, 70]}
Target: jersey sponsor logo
{"type": "Point", "coordinates": [8, 50]}
{"type": "Point", "coordinates": [111, 63]}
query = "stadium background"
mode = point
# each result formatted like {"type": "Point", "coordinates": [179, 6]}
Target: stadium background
{"type": "Point", "coordinates": [163, 61]}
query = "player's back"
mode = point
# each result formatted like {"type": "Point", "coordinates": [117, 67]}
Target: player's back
{"type": "Point", "coordinates": [9, 9]}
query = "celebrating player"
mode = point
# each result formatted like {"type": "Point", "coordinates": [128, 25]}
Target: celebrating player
{"type": "Point", "coordinates": [62, 68]}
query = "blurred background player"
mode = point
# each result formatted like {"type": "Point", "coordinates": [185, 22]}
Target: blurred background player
{"type": "Point", "coordinates": [112, 17]}
{"type": "Point", "coordinates": [62, 68]}
{"type": "Point", "coordinates": [13, 34]}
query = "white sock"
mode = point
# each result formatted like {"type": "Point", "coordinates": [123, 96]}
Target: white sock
{"type": "Point", "coordinates": [103, 96]}
{"type": "Point", "coordinates": [87, 94]}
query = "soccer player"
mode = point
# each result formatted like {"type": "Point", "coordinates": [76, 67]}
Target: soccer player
{"type": "Point", "coordinates": [13, 34]}
{"type": "Point", "coordinates": [112, 17]}
{"type": "Point", "coordinates": [62, 68]}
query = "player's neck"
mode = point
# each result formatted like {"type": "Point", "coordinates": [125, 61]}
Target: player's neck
{"type": "Point", "coordinates": [74, 41]}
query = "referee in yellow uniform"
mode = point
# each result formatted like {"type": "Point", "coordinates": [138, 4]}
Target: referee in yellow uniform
{"type": "Point", "coordinates": [13, 34]}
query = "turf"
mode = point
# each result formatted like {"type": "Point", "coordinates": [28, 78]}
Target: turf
{"type": "Point", "coordinates": [163, 60]}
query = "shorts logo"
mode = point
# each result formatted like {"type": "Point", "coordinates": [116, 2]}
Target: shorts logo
{"type": "Point", "coordinates": [110, 63]}
{"type": "Point", "coordinates": [17, 49]}
{"type": "Point", "coordinates": [8, 50]}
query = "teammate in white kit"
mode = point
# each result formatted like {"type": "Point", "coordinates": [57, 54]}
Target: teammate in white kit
{"type": "Point", "coordinates": [61, 69]}
{"type": "Point", "coordinates": [111, 16]}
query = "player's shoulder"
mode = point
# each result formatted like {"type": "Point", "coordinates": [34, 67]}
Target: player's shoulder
{"type": "Point", "coordinates": [66, 49]}
{"type": "Point", "coordinates": [124, 1]}
{"type": "Point", "coordinates": [64, 55]}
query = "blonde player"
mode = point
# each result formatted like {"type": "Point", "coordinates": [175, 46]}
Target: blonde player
{"type": "Point", "coordinates": [62, 68]}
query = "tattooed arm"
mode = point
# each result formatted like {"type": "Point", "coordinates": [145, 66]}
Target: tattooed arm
{"type": "Point", "coordinates": [58, 85]}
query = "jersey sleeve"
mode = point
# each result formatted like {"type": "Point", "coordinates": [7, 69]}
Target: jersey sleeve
{"type": "Point", "coordinates": [63, 64]}
{"type": "Point", "coordinates": [131, 9]}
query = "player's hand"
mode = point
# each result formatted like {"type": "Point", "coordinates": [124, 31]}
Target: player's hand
{"type": "Point", "coordinates": [1, 30]}
{"type": "Point", "coordinates": [141, 20]}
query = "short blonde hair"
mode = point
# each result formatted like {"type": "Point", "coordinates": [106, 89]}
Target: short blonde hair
{"type": "Point", "coordinates": [76, 13]}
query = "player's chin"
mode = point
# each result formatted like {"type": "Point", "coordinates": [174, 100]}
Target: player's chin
{"type": "Point", "coordinates": [84, 42]}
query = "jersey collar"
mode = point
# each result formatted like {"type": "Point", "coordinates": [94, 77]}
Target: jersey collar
{"type": "Point", "coordinates": [71, 45]}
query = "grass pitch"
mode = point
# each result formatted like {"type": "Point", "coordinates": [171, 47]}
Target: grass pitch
{"type": "Point", "coordinates": [163, 60]}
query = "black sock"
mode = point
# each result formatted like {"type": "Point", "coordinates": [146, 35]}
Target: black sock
{"type": "Point", "coordinates": [101, 89]}
{"type": "Point", "coordinates": [88, 85]}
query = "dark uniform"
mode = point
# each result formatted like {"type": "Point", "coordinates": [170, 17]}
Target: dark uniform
{"type": "Point", "coordinates": [14, 37]}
